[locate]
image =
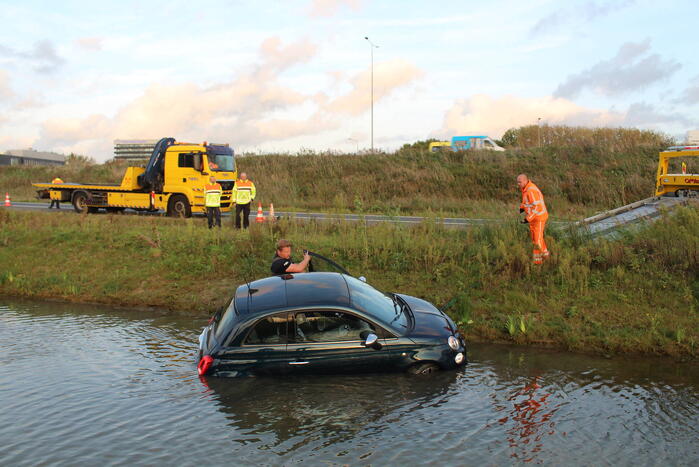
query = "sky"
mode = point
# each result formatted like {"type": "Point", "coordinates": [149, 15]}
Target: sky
{"type": "Point", "coordinates": [296, 75]}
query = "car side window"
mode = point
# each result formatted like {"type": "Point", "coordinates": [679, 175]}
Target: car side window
{"type": "Point", "coordinates": [269, 330]}
{"type": "Point", "coordinates": [330, 326]}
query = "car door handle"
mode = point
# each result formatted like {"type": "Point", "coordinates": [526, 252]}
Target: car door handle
{"type": "Point", "coordinates": [298, 363]}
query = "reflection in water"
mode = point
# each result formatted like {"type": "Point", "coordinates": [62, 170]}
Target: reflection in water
{"type": "Point", "coordinates": [88, 385]}
{"type": "Point", "coordinates": [331, 408]}
{"type": "Point", "coordinates": [530, 419]}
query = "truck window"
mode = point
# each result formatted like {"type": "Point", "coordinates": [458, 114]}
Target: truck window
{"type": "Point", "coordinates": [221, 162]}
{"type": "Point", "coordinates": [186, 159]}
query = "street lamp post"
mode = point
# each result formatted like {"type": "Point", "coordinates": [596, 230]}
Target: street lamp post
{"type": "Point", "coordinates": [538, 129]}
{"type": "Point", "coordinates": [373, 46]}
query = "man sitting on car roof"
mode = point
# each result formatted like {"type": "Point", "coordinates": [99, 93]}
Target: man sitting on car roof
{"type": "Point", "coordinates": [282, 262]}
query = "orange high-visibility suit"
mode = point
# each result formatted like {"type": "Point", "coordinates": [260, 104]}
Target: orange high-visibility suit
{"type": "Point", "coordinates": [537, 215]}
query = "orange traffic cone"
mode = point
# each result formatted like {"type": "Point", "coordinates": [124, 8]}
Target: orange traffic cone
{"type": "Point", "coordinates": [7, 199]}
{"type": "Point", "coordinates": [260, 217]}
{"type": "Point", "coordinates": [271, 212]}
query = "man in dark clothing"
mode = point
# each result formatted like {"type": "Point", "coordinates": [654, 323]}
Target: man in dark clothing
{"type": "Point", "coordinates": [282, 262]}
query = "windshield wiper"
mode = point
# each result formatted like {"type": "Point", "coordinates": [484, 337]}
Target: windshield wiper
{"type": "Point", "coordinates": [402, 305]}
{"type": "Point", "coordinates": [396, 304]}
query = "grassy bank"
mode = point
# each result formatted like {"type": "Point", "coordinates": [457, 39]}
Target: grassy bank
{"type": "Point", "coordinates": [581, 171]}
{"type": "Point", "coordinates": [638, 294]}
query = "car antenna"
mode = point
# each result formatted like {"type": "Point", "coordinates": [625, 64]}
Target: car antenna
{"type": "Point", "coordinates": [250, 289]}
{"type": "Point", "coordinates": [451, 302]}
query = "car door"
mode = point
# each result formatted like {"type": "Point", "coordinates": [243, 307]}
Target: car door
{"type": "Point", "coordinates": [263, 348]}
{"type": "Point", "coordinates": [333, 342]}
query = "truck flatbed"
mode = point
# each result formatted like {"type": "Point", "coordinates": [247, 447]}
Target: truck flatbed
{"type": "Point", "coordinates": [72, 186]}
{"type": "Point", "coordinates": [608, 223]}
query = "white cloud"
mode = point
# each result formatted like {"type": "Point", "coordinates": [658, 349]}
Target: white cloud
{"type": "Point", "coordinates": [492, 116]}
{"type": "Point", "coordinates": [583, 12]}
{"type": "Point", "coordinates": [92, 44]}
{"type": "Point", "coordinates": [251, 109]}
{"type": "Point", "coordinates": [325, 8]}
{"type": "Point", "coordinates": [691, 94]}
{"type": "Point", "coordinates": [388, 76]}
{"type": "Point", "coordinates": [482, 114]}
{"type": "Point", "coordinates": [43, 55]}
{"type": "Point", "coordinates": [6, 92]}
{"type": "Point", "coordinates": [626, 72]}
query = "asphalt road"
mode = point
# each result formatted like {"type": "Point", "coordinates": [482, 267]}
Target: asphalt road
{"type": "Point", "coordinates": [305, 216]}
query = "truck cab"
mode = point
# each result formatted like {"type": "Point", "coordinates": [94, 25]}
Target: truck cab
{"type": "Point", "coordinates": [679, 183]}
{"type": "Point", "coordinates": [188, 168]}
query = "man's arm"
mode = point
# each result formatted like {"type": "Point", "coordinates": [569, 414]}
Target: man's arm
{"type": "Point", "coordinates": [299, 267]}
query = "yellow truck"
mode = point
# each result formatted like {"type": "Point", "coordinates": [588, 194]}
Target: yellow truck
{"type": "Point", "coordinates": [172, 181]}
{"type": "Point", "coordinates": [678, 184]}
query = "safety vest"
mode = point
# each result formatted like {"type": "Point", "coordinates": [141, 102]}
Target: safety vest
{"type": "Point", "coordinates": [56, 181]}
{"type": "Point", "coordinates": [533, 203]}
{"type": "Point", "coordinates": [213, 195]}
{"type": "Point", "coordinates": [243, 191]}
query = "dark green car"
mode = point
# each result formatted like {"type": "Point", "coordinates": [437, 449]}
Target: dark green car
{"type": "Point", "coordinates": [326, 322]}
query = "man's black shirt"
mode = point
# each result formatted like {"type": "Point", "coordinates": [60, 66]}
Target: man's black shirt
{"type": "Point", "coordinates": [280, 264]}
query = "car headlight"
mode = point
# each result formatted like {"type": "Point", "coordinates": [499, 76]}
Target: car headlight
{"type": "Point", "coordinates": [453, 343]}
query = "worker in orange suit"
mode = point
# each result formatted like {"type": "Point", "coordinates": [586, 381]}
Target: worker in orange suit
{"type": "Point", "coordinates": [535, 214]}
{"type": "Point", "coordinates": [56, 196]}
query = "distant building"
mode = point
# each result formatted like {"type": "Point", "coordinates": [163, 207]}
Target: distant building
{"type": "Point", "coordinates": [31, 157]}
{"type": "Point", "coordinates": [693, 137]}
{"type": "Point", "coordinates": [134, 150]}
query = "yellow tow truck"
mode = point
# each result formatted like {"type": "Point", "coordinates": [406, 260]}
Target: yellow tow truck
{"type": "Point", "coordinates": [172, 181]}
{"type": "Point", "coordinates": [677, 184]}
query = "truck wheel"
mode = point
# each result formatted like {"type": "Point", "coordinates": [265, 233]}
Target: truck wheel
{"type": "Point", "coordinates": [178, 206]}
{"type": "Point", "coordinates": [80, 202]}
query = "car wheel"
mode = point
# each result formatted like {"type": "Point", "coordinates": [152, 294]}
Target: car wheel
{"type": "Point", "coordinates": [423, 369]}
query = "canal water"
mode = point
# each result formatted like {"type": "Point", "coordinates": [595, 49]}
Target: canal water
{"type": "Point", "coordinates": [87, 385]}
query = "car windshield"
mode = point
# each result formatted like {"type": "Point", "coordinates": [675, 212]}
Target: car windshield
{"type": "Point", "coordinates": [224, 323]}
{"type": "Point", "coordinates": [377, 303]}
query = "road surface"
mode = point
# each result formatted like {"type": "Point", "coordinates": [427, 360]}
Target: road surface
{"type": "Point", "coordinates": [317, 216]}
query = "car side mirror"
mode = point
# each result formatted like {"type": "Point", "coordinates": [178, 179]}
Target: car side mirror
{"type": "Point", "coordinates": [372, 340]}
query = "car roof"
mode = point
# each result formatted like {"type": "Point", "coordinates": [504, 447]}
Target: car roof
{"type": "Point", "coordinates": [292, 290]}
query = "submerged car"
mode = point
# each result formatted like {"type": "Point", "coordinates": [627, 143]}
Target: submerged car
{"type": "Point", "coordinates": [326, 322]}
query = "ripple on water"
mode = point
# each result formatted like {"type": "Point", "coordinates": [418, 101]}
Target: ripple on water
{"type": "Point", "coordinates": [90, 385]}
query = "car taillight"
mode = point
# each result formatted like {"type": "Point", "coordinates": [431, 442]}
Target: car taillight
{"type": "Point", "coordinates": [204, 364]}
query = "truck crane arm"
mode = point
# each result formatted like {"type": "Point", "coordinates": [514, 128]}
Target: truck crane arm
{"type": "Point", "coordinates": [154, 170]}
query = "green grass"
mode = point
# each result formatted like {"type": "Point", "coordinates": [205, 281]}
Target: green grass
{"type": "Point", "coordinates": [636, 294]}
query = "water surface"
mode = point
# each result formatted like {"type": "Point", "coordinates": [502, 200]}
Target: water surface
{"type": "Point", "coordinates": [90, 385]}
